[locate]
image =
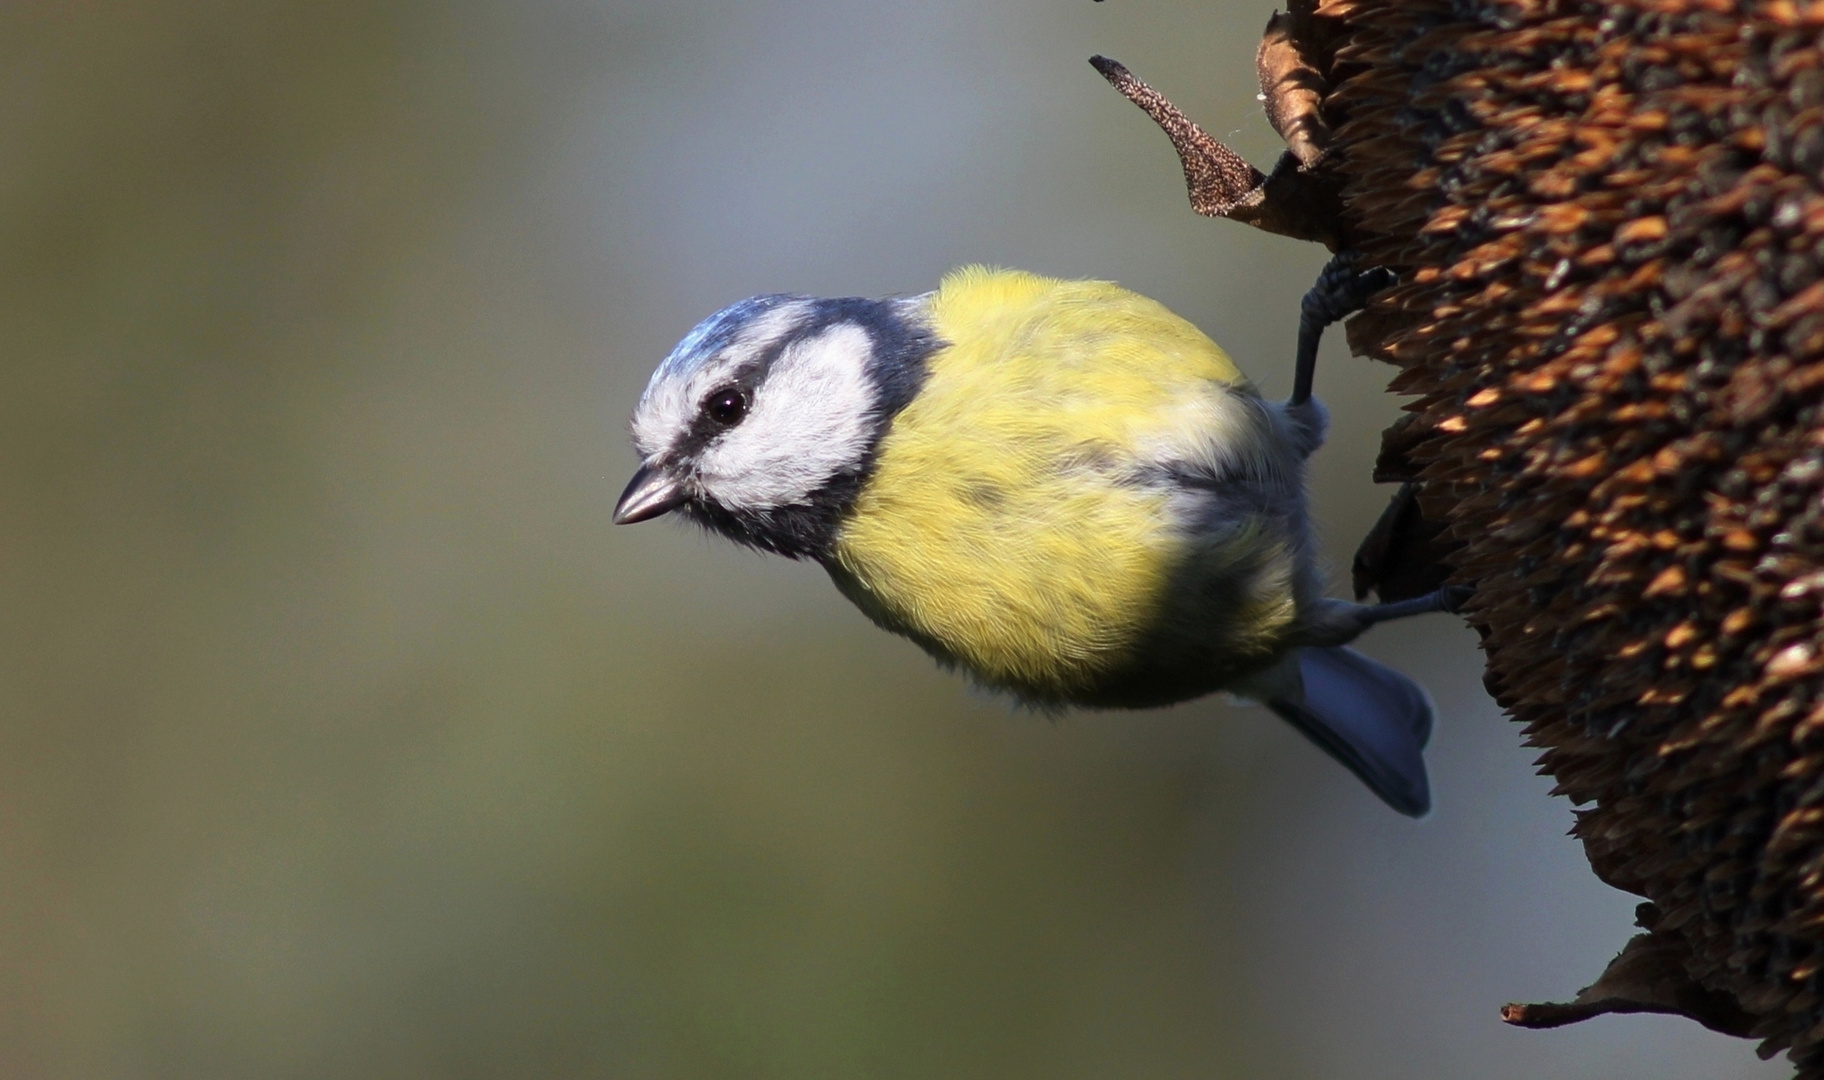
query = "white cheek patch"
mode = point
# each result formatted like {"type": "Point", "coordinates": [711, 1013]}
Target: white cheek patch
{"type": "Point", "coordinates": [670, 403]}
{"type": "Point", "coordinates": [811, 418]}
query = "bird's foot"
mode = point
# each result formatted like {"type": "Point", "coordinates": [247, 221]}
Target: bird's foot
{"type": "Point", "coordinates": [1340, 622]}
{"type": "Point", "coordinates": [1341, 290]}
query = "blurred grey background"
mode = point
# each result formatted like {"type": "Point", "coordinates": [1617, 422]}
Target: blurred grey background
{"type": "Point", "coordinates": [341, 734]}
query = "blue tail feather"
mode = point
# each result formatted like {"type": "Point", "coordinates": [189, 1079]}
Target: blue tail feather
{"type": "Point", "coordinates": [1368, 716]}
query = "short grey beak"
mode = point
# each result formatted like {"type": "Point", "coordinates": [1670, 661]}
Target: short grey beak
{"type": "Point", "coordinates": [649, 494]}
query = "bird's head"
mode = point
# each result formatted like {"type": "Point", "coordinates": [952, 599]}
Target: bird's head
{"type": "Point", "coordinates": [763, 423]}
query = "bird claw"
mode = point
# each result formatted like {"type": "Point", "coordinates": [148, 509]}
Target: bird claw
{"type": "Point", "coordinates": [1341, 289]}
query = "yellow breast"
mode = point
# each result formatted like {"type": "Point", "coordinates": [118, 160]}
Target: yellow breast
{"type": "Point", "coordinates": [1010, 522]}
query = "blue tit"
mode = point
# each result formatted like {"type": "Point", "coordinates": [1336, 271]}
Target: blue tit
{"type": "Point", "coordinates": [1060, 487]}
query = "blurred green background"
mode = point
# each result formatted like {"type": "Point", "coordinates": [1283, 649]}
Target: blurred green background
{"type": "Point", "coordinates": [342, 735]}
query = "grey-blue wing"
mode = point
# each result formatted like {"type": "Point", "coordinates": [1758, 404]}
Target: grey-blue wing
{"type": "Point", "coordinates": [1368, 716]}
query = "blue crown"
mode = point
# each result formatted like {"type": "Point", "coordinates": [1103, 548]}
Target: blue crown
{"type": "Point", "coordinates": [716, 333]}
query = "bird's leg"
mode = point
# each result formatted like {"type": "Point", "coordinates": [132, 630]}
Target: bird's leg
{"type": "Point", "coordinates": [1450, 599]}
{"type": "Point", "coordinates": [1339, 622]}
{"type": "Point", "coordinates": [1341, 290]}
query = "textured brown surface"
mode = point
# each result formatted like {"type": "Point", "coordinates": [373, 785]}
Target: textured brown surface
{"type": "Point", "coordinates": [1608, 224]}
{"type": "Point", "coordinates": [1292, 200]}
{"type": "Point", "coordinates": [1289, 68]}
{"type": "Point", "coordinates": [1650, 975]}
{"type": "Point", "coordinates": [1609, 228]}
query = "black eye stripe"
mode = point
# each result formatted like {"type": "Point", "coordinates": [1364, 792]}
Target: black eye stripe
{"type": "Point", "coordinates": [703, 428]}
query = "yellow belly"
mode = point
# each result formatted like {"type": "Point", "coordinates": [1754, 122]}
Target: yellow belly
{"type": "Point", "coordinates": [1010, 524]}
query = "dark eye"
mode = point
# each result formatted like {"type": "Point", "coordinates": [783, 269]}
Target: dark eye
{"type": "Point", "coordinates": [726, 407]}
